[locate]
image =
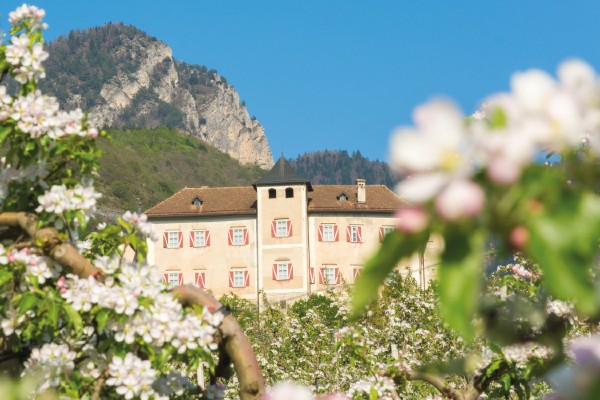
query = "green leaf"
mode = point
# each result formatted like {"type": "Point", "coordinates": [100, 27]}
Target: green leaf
{"type": "Point", "coordinates": [460, 278]}
{"type": "Point", "coordinates": [5, 276]}
{"type": "Point", "coordinates": [27, 301]}
{"type": "Point", "coordinates": [395, 247]}
{"type": "Point", "coordinates": [74, 317]}
{"type": "Point", "coordinates": [563, 239]}
{"type": "Point", "coordinates": [4, 133]}
{"type": "Point", "coordinates": [102, 319]}
{"type": "Point", "coordinates": [52, 315]}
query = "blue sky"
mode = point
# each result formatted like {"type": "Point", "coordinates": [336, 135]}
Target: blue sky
{"type": "Point", "coordinates": [343, 74]}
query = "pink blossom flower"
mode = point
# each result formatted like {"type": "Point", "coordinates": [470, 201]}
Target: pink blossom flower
{"type": "Point", "coordinates": [460, 199]}
{"type": "Point", "coordinates": [411, 220]}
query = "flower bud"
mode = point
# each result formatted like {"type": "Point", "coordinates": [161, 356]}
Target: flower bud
{"type": "Point", "coordinates": [411, 220]}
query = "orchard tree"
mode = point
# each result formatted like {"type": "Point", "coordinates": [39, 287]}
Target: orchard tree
{"type": "Point", "coordinates": [76, 318]}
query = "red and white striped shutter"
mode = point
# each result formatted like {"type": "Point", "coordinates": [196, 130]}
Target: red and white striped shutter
{"type": "Point", "coordinates": [230, 278]}
{"type": "Point", "coordinates": [321, 275]}
{"type": "Point", "coordinates": [355, 273]}
{"type": "Point", "coordinates": [381, 233]}
{"type": "Point", "coordinates": [200, 279]}
{"type": "Point", "coordinates": [359, 234]}
{"type": "Point", "coordinates": [290, 271]}
{"type": "Point", "coordinates": [180, 238]}
{"type": "Point", "coordinates": [245, 235]}
{"type": "Point", "coordinates": [246, 278]}
{"type": "Point", "coordinates": [320, 233]}
{"type": "Point", "coordinates": [166, 276]}
{"type": "Point", "coordinates": [274, 272]}
{"type": "Point", "coordinates": [289, 227]}
{"type": "Point", "coordinates": [274, 228]}
{"type": "Point", "coordinates": [230, 236]}
{"type": "Point", "coordinates": [207, 238]}
{"type": "Point", "coordinates": [192, 238]}
{"type": "Point", "coordinates": [180, 279]}
{"type": "Point", "coordinates": [166, 240]}
{"type": "Point", "coordinates": [336, 233]}
{"type": "Point", "coordinates": [348, 233]}
{"type": "Point", "coordinates": [337, 276]}
{"type": "Point", "coordinates": [312, 275]}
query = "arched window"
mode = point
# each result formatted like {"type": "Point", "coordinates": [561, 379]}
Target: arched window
{"type": "Point", "coordinates": [289, 193]}
{"type": "Point", "coordinates": [272, 193]}
{"type": "Point", "coordinates": [197, 201]}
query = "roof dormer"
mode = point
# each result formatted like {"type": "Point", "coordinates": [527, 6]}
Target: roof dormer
{"type": "Point", "coordinates": [197, 201]}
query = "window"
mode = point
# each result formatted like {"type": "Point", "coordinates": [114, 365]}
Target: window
{"type": "Point", "coordinates": [197, 201]}
{"type": "Point", "coordinates": [354, 233]}
{"type": "Point", "coordinates": [238, 236]}
{"type": "Point", "coordinates": [173, 278]}
{"type": "Point", "coordinates": [281, 228]}
{"type": "Point", "coordinates": [172, 239]}
{"type": "Point", "coordinates": [329, 275]}
{"type": "Point", "coordinates": [356, 272]}
{"type": "Point", "coordinates": [328, 233]}
{"type": "Point", "coordinates": [283, 271]}
{"type": "Point", "coordinates": [239, 278]}
{"type": "Point", "coordinates": [384, 230]}
{"type": "Point", "coordinates": [199, 238]}
{"type": "Point", "coordinates": [342, 197]}
{"type": "Point", "coordinates": [289, 193]}
{"type": "Point", "coordinates": [272, 193]}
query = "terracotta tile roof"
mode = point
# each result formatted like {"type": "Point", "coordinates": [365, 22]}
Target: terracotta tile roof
{"type": "Point", "coordinates": [223, 200]}
{"type": "Point", "coordinates": [379, 198]}
{"type": "Point", "coordinates": [242, 200]}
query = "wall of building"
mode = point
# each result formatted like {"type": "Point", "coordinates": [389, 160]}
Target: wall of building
{"type": "Point", "coordinates": [291, 249]}
{"type": "Point", "coordinates": [216, 260]}
{"type": "Point", "coordinates": [302, 249]}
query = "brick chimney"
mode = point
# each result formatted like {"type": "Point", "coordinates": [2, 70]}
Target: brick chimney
{"type": "Point", "coordinates": [361, 191]}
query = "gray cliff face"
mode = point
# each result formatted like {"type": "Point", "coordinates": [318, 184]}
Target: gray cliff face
{"type": "Point", "coordinates": [134, 81]}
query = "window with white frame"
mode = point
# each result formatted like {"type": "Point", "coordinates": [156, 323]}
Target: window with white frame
{"type": "Point", "coordinates": [282, 271]}
{"type": "Point", "coordinates": [173, 278]}
{"type": "Point", "coordinates": [282, 227]}
{"type": "Point", "coordinates": [387, 229]}
{"type": "Point", "coordinates": [328, 233]}
{"type": "Point", "coordinates": [172, 240]}
{"type": "Point", "coordinates": [239, 279]}
{"type": "Point", "coordinates": [354, 235]}
{"type": "Point", "coordinates": [238, 237]}
{"type": "Point", "coordinates": [199, 238]}
{"type": "Point", "coordinates": [329, 276]}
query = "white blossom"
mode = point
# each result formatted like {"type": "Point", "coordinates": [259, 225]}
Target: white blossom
{"type": "Point", "coordinates": [131, 376]}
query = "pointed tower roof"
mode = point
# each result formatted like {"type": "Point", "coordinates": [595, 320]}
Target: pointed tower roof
{"type": "Point", "coordinates": [282, 173]}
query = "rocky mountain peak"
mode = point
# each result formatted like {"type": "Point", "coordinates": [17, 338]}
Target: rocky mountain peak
{"type": "Point", "coordinates": [125, 78]}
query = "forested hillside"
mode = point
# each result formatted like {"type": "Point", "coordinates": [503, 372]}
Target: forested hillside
{"type": "Point", "coordinates": [140, 168]}
{"type": "Point", "coordinates": [338, 167]}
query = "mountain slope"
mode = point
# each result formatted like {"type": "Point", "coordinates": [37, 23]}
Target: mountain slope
{"type": "Point", "coordinates": [126, 78]}
{"type": "Point", "coordinates": [141, 167]}
{"type": "Point", "coordinates": [331, 167]}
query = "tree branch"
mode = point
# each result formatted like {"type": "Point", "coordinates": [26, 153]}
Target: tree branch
{"type": "Point", "coordinates": [49, 241]}
{"type": "Point", "coordinates": [235, 343]}
{"type": "Point", "coordinates": [441, 385]}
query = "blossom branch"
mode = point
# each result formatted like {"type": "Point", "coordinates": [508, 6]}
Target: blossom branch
{"type": "Point", "coordinates": [49, 240]}
{"type": "Point", "coordinates": [235, 343]}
